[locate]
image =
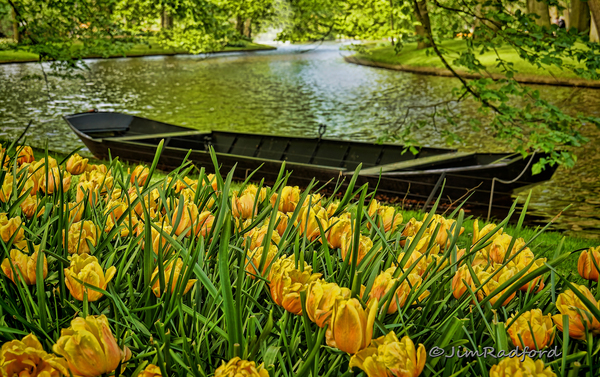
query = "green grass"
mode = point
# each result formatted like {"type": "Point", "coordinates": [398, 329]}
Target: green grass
{"type": "Point", "coordinates": [149, 49]}
{"type": "Point", "coordinates": [410, 56]}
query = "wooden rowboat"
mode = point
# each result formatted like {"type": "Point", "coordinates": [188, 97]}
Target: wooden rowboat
{"type": "Point", "coordinates": [394, 171]}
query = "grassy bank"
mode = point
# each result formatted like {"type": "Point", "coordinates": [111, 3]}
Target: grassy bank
{"type": "Point", "coordinates": [149, 49]}
{"type": "Point", "coordinates": [410, 56]}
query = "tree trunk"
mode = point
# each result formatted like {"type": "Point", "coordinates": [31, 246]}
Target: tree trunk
{"type": "Point", "coordinates": [16, 35]}
{"type": "Point", "coordinates": [593, 32]}
{"type": "Point", "coordinates": [580, 15]}
{"type": "Point", "coordinates": [166, 20]}
{"type": "Point", "coordinates": [595, 13]}
{"type": "Point", "coordinates": [541, 9]}
{"type": "Point", "coordinates": [248, 28]}
{"type": "Point", "coordinates": [392, 20]}
{"type": "Point", "coordinates": [423, 30]}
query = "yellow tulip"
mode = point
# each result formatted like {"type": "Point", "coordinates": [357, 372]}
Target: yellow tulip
{"type": "Point", "coordinates": [80, 233]}
{"type": "Point", "coordinates": [310, 218]}
{"type": "Point", "coordinates": [351, 325]}
{"type": "Point", "coordinates": [150, 371]}
{"type": "Point", "coordinates": [290, 196]}
{"type": "Point", "coordinates": [90, 347]}
{"type": "Point", "coordinates": [499, 275]}
{"type": "Point", "coordinates": [579, 315]}
{"type": "Point", "coordinates": [588, 260]}
{"type": "Point", "coordinates": [24, 264]}
{"type": "Point", "coordinates": [49, 184]}
{"type": "Point", "coordinates": [76, 164]}
{"type": "Point", "coordinates": [254, 258]}
{"type": "Point", "coordinates": [87, 190]}
{"type": "Point", "coordinates": [513, 366]}
{"type": "Point", "coordinates": [139, 175]}
{"type": "Point", "coordinates": [92, 168]}
{"type": "Point", "coordinates": [29, 206]}
{"type": "Point", "coordinates": [331, 208]}
{"type": "Point", "coordinates": [75, 210]}
{"type": "Point", "coordinates": [422, 262]}
{"type": "Point", "coordinates": [499, 247]}
{"type": "Point", "coordinates": [160, 244]}
{"type": "Point", "coordinates": [281, 222]}
{"type": "Point", "coordinates": [39, 168]}
{"type": "Point", "coordinates": [237, 367]}
{"type": "Point", "coordinates": [320, 298]}
{"type": "Point", "coordinates": [257, 235]}
{"type": "Point", "coordinates": [445, 226]}
{"type": "Point", "coordinates": [538, 281]}
{"type": "Point", "coordinates": [479, 234]}
{"type": "Point", "coordinates": [365, 244]}
{"type": "Point", "coordinates": [27, 358]}
{"type": "Point", "coordinates": [6, 187]}
{"type": "Point", "coordinates": [339, 227]}
{"type": "Point", "coordinates": [385, 281]}
{"type": "Point", "coordinates": [185, 218]}
{"type": "Point", "coordinates": [87, 269]}
{"type": "Point", "coordinates": [389, 218]}
{"type": "Point", "coordinates": [286, 282]}
{"type": "Point", "coordinates": [542, 326]}
{"type": "Point", "coordinates": [149, 199]}
{"type": "Point", "coordinates": [388, 356]}
{"type": "Point", "coordinates": [411, 229]}
{"type": "Point", "coordinates": [423, 243]}
{"type": "Point", "coordinates": [25, 155]}
{"type": "Point", "coordinates": [172, 273]}
{"type": "Point", "coordinates": [243, 206]}
{"type": "Point", "coordinates": [10, 227]}
{"type": "Point", "coordinates": [373, 208]}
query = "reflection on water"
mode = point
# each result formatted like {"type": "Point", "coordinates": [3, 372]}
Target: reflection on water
{"type": "Point", "coordinates": [288, 93]}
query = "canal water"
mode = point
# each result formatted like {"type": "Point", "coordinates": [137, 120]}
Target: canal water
{"type": "Point", "coordinates": [289, 91]}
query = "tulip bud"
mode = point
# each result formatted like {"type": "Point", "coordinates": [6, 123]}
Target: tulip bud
{"type": "Point", "coordinates": [80, 233]}
{"type": "Point", "coordinates": [543, 330]}
{"type": "Point", "coordinates": [331, 208]}
{"type": "Point", "coordinates": [25, 155]}
{"type": "Point", "coordinates": [76, 164]}
{"type": "Point", "coordinates": [150, 371]}
{"type": "Point", "coordinates": [10, 227]}
{"type": "Point", "coordinates": [172, 273]}
{"type": "Point", "coordinates": [286, 283]}
{"type": "Point", "coordinates": [90, 347]}
{"type": "Point", "coordinates": [588, 260]}
{"type": "Point", "coordinates": [310, 218]}
{"type": "Point", "coordinates": [410, 230]}
{"type": "Point", "coordinates": [339, 227]}
{"type": "Point", "coordinates": [385, 281]}
{"type": "Point", "coordinates": [579, 315]}
{"type": "Point", "coordinates": [290, 196]}
{"type": "Point", "coordinates": [479, 234]}
{"type": "Point", "coordinates": [238, 367]}
{"type": "Point", "coordinates": [87, 269]}
{"type": "Point", "coordinates": [254, 258]}
{"type": "Point", "coordinates": [27, 358]}
{"type": "Point", "coordinates": [388, 356]}
{"type": "Point", "coordinates": [39, 168]}
{"type": "Point", "coordinates": [139, 175]}
{"type": "Point", "coordinates": [320, 298]}
{"type": "Point", "coordinates": [373, 208]}
{"type": "Point", "coordinates": [351, 325]}
{"type": "Point", "coordinates": [24, 266]}
{"type": "Point", "coordinates": [388, 217]}
{"type": "Point", "coordinates": [513, 366]}
{"type": "Point", "coordinates": [49, 184]}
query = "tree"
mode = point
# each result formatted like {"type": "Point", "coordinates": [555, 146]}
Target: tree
{"type": "Point", "coordinates": [539, 8]}
{"type": "Point", "coordinates": [580, 15]}
{"type": "Point", "coordinates": [423, 25]}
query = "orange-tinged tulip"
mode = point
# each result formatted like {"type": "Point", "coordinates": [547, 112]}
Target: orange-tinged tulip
{"type": "Point", "coordinates": [185, 183]}
{"type": "Point", "coordinates": [463, 278]}
{"type": "Point", "coordinates": [25, 155]}
{"type": "Point", "coordinates": [422, 263]}
{"type": "Point", "coordinates": [87, 190]}
{"type": "Point", "coordinates": [185, 218]}
{"type": "Point", "coordinates": [290, 196]}
{"type": "Point", "coordinates": [423, 244]}
{"type": "Point", "coordinates": [237, 367]}
{"type": "Point", "coordinates": [27, 358]}
{"type": "Point", "coordinates": [542, 326]}
{"type": "Point", "coordinates": [286, 282]}
{"type": "Point", "coordinates": [24, 265]}
{"type": "Point", "coordinates": [388, 218]}
{"type": "Point", "coordinates": [445, 226]}
{"type": "Point", "coordinates": [320, 298]}
{"type": "Point", "coordinates": [115, 209]}
{"type": "Point", "coordinates": [29, 206]}
{"type": "Point", "coordinates": [52, 182]}
{"type": "Point", "coordinates": [388, 356]}
{"type": "Point", "coordinates": [212, 181]}
{"type": "Point", "coordinates": [172, 273]}
{"type": "Point", "coordinates": [75, 211]}
{"type": "Point", "coordinates": [340, 226]}
{"type": "Point", "coordinates": [411, 229]}
{"type": "Point", "coordinates": [87, 269]}
{"type": "Point", "coordinates": [6, 187]}
{"type": "Point", "coordinates": [243, 206]}
{"type": "Point", "coordinates": [257, 236]}
{"type": "Point", "coordinates": [139, 175]}
{"type": "Point", "coordinates": [10, 227]}
{"type": "Point", "coordinates": [310, 218]}
{"type": "Point", "coordinates": [499, 247]}
{"type": "Point", "coordinates": [76, 164]}
{"type": "Point", "coordinates": [160, 243]}
{"type": "Point", "coordinates": [253, 191]}
{"type": "Point", "coordinates": [39, 168]}
{"type": "Point", "coordinates": [100, 168]}
{"type": "Point", "coordinates": [365, 244]}
{"type": "Point", "coordinates": [90, 347]}
{"type": "Point", "coordinates": [499, 275]}
{"type": "Point", "coordinates": [536, 284]}
{"type": "Point", "coordinates": [150, 371]}
{"type": "Point", "coordinates": [385, 281]}
{"type": "Point", "coordinates": [126, 225]}
{"type": "Point", "coordinates": [514, 367]}
{"type": "Point", "coordinates": [254, 258]}
{"type": "Point", "coordinates": [351, 325]}
{"type": "Point", "coordinates": [80, 233]}
{"type": "Point", "coordinates": [281, 222]}
{"type": "Point", "coordinates": [579, 315]}
{"type": "Point", "coordinates": [149, 199]}
{"type": "Point", "coordinates": [588, 260]}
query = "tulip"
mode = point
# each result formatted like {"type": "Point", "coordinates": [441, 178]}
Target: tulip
{"type": "Point", "coordinates": [373, 208]}
{"type": "Point", "coordinates": [39, 168]}
{"type": "Point", "coordinates": [243, 206]}
{"type": "Point", "coordinates": [479, 234]}
{"type": "Point", "coordinates": [499, 275]}
{"type": "Point", "coordinates": [421, 262]}
{"type": "Point", "coordinates": [351, 325]}
{"type": "Point", "coordinates": [160, 244]}
{"type": "Point", "coordinates": [445, 226]}
{"type": "Point", "coordinates": [340, 226]}
{"type": "Point", "coordinates": [463, 278]}
{"type": "Point", "coordinates": [389, 218]}
{"type": "Point", "coordinates": [25, 155]}
{"type": "Point", "coordinates": [184, 218]}
{"type": "Point", "coordinates": [331, 208]}
{"type": "Point", "coordinates": [320, 298]}
{"type": "Point", "coordinates": [29, 206]}
{"type": "Point", "coordinates": [281, 223]}
{"type": "Point", "coordinates": [80, 233]}
{"type": "Point", "coordinates": [254, 258]}
{"type": "Point", "coordinates": [579, 315]}
{"type": "Point", "coordinates": [92, 168]}
{"type": "Point", "coordinates": [411, 229]}
{"type": "Point", "coordinates": [150, 371]}
{"type": "Point", "coordinates": [212, 181]}
{"type": "Point", "coordinates": [11, 227]}
{"type": "Point", "coordinates": [513, 366]}
{"type": "Point", "coordinates": [139, 175]}
{"type": "Point", "coordinates": [24, 266]}
{"type": "Point", "coordinates": [237, 367]}
{"type": "Point", "coordinates": [172, 273]}
{"type": "Point", "coordinates": [423, 244]}
{"type": "Point", "coordinates": [385, 281]}
{"type": "Point", "coordinates": [365, 245]}
{"type": "Point", "coordinates": [538, 281]}
{"type": "Point", "coordinates": [87, 190]}
{"type": "Point", "coordinates": [290, 196]}
{"type": "Point", "coordinates": [115, 209]}
{"type": "Point", "coordinates": [27, 358]}
{"type": "Point", "coordinates": [149, 199]}
{"type": "Point", "coordinates": [75, 211]}
{"type": "Point", "coordinates": [76, 164]}
{"type": "Point", "coordinates": [257, 235]}
{"type": "Point", "coordinates": [86, 268]}
{"type": "Point", "coordinates": [6, 187]}
{"type": "Point", "coordinates": [499, 247]}
{"type": "Point", "coordinates": [90, 347]}
{"type": "Point", "coordinates": [127, 224]}
{"type": "Point", "coordinates": [310, 218]}
{"type": "Point", "coordinates": [388, 356]}
{"type": "Point", "coordinates": [588, 262]}
{"type": "Point", "coordinates": [50, 184]}
{"type": "Point", "coordinates": [543, 330]}
{"type": "Point", "coordinates": [286, 282]}
{"type": "Point", "coordinates": [252, 190]}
